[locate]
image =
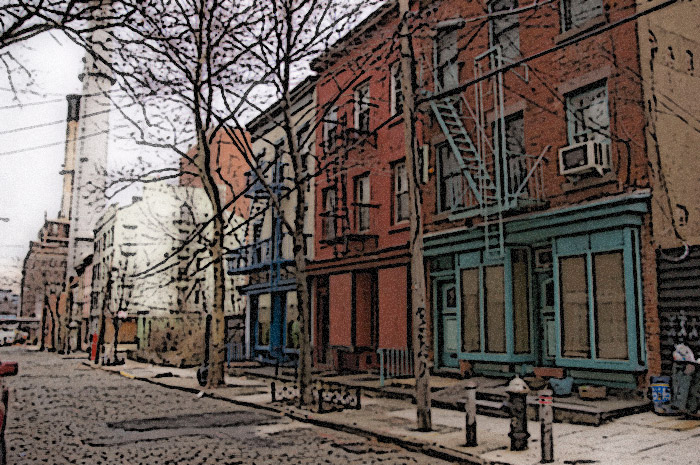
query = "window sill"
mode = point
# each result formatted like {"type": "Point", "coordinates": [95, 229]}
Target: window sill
{"type": "Point", "coordinates": [398, 228]}
{"type": "Point", "coordinates": [571, 186]}
{"type": "Point", "coordinates": [578, 30]}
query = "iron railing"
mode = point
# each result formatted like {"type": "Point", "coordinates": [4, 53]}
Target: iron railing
{"type": "Point", "coordinates": [394, 363]}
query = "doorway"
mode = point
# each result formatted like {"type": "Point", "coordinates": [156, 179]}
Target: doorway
{"type": "Point", "coordinates": [448, 324]}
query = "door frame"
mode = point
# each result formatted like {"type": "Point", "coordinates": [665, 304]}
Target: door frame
{"type": "Point", "coordinates": [439, 286]}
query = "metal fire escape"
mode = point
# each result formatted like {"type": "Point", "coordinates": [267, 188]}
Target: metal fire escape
{"type": "Point", "coordinates": [496, 180]}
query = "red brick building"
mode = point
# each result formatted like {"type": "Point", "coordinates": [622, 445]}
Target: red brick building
{"type": "Point", "coordinates": [536, 200]}
{"type": "Point", "coordinates": [360, 272]}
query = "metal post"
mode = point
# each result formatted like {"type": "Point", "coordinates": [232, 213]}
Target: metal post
{"type": "Point", "coordinates": [517, 406]}
{"type": "Point", "coordinates": [358, 393]}
{"type": "Point", "coordinates": [546, 420]}
{"type": "Point", "coordinates": [320, 400]}
{"type": "Point", "coordinates": [273, 391]}
{"type": "Point", "coordinates": [381, 367]}
{"type": "Point", "coordinates": [470, 410]}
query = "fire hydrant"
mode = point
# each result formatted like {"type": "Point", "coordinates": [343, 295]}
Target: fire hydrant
{"type": "Point", "coordinates": [516, 406]}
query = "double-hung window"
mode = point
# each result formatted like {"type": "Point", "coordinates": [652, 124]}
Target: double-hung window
{"type": "Point", "coordinates": [451, 183]}
{"type": "Point", "coordinates": [504, 28]}
{"type": "Point", "coordinates": [512, 145]}
{"type": "Point", "coordinates": [447, 67]}
{"type": "Point", "coordinates": [330, 130]}
{"type": "Point", "coordinates": [362, 202]}
{"type": "Point", "coordinates": [362, 108]}
{"type": "Point", "coordinates": [396, 89]}
{"type": "Point", "coordinates": [329, 213]}
{"type": "Point", "coordinates": [587, 114]}
{"type": "Point", "coordinates": [577, 13]}
{"type": "Point", "coordinates": [400, 193]}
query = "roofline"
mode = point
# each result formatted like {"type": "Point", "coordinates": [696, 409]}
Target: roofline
{"type": "Point", "coordinates": [270, 112]}
{"type": "Point", "coordinates": [330, 55]}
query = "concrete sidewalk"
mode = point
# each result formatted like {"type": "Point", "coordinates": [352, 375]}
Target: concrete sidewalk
{"type": "Point", "coordinates": [633, 440]}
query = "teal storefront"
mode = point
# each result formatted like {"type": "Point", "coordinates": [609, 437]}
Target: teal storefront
{"type": "Point", "coordinates": [566, 292]}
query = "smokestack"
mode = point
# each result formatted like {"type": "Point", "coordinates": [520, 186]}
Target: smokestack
{"type": "Point", "coordinates": [71, 149]}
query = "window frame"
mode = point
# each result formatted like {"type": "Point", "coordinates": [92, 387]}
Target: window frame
{"type": "Point", "coordinates": [396, 193]}
{"type": "Point", "coordinates": [328, 223]}
{"type": "Point", "coordinates": [441, 181]}
{"type": "Point", "coordinates": [625, 241]}
{"type": "Point", "coordinates": [362, 107]}
{"type": "Point", "coordinates": [440, 34]}
{"type": "Point", "coordinates": [478, 260]}
{"type": "Point", "coordinates": [396, 99]}
{"type": "Point", "coordinates": [492, 34]}
{"type": "Point", "coordinates": [362, 202]}
{"type": "Point", "coordinates": [566, 20]}
{"type": "Point", "coordinates": [330, 130]}
{"type": "Point", "coordinates": [575, 137]}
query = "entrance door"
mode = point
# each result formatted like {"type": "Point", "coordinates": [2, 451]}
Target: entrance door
{"type": "Point", "coordinates": [448, 325]}
{"type": "Point", "coordinates": [279, 303]}
{"type": "Point", "coordinates": [547, 324]}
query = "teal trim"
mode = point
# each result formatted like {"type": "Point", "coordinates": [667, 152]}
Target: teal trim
{"type": "Point", "coordinates": [611, 213]}
{"type": "Point", "coordinates": [640, 303]}
{"type": "Point", "coordinates": [588, 245]}
{"type": "Point", "coordinates": [481, 261]}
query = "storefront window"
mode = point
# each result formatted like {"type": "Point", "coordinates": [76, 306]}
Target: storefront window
{"type": "Point", "coordinates": [471, 320]}
{"type": "Point", "coordinates": [610, 306]}
{"type": "Point", "coordinates": [495, 309]}
{"type": "Point", "coordinates": [574, 308]}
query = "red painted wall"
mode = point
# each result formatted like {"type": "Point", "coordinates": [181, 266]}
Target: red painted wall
{"type": "Point", "coordinates": [340, 309]}
{"type": "Point", "coordinates": [363, 309]}
{"type": "Point", "coordinates": [393, 307]}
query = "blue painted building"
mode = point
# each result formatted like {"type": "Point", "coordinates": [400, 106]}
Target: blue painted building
{"type": "Point", "coordinates": [272, 331]}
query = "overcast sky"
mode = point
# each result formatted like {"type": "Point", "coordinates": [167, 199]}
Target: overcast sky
{"type": "Point", "coordinates": [30, 183]}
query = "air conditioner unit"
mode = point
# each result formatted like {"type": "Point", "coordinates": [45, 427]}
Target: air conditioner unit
{"type": "Point", "coordinates": [583, 157]}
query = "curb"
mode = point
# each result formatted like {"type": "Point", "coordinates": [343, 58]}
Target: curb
{"type": "Point", "coordinates": [431, 450]}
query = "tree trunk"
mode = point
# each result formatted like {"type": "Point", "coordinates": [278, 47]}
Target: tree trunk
{"type": "Point", "coordinates": [69, 318]}
{"type": "Point", "coordinates": [419, 321]}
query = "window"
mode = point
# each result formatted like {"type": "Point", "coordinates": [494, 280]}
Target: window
{"type": "Point", "coordinates": [330, 130]}
{"type": "Point", "coordinates": [451, 183]}
{"type": "Point", "coordinates": [578, 12]}
{"type": "Point", "coordinates": [446, 58]}
{"type": "Point", "coordinates": [264, 318]}
{"type": "Point", "coordinates": [362, 107]}
{"type": "Point", "coordinates": [609, 306]}
{"type": "Point", "coordinates": [329, 213]}
{"type": "Point", "coordinates": [396, 89]}
{"type": "Point", "coordinates": [514, 138]}
{"type": "Point", "coordinates": [587, 114]}
{"type": "Point", "coordinates": [494, 309]}
{"type": "Point", "coordinates": [521, 300]}
{"type": "Point", "coordinates": [362, 202]}
{"type": "Point", "coordinates": [504, 28]}
{"type": "Point", "coordinates": [471, 317]}
{"type": "Point", "coordinates": [400, 193]}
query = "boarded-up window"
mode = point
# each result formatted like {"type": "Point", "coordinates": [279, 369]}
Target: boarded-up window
{"type": "Point", "coordinates": [610, 306]}
{"type": "Point", "coordinates": [574, 307]}
{"type": "Point", "coordinates": [494, 304]}
{"type": "Point", "coordinates": [521, 299]}
{"type": "Point", "coordinates": [471, 321]}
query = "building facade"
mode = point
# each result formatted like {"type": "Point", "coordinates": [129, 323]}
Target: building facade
{"type": "Point", "coordinates": [266, 261]}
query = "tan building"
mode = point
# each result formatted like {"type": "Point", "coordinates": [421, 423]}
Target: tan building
{"type": "Point", "coordinates": [669, 41]}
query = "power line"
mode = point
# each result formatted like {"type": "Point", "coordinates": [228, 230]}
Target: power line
{"type": "Point", "coordinates": [31, 104]}
{"type": "Point", "coordinates": [53, 144]}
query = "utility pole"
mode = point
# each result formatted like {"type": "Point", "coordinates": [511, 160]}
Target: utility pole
{"type": "Point", "coordinates": [419, 320]}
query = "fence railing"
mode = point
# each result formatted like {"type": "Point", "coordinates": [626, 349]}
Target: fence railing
{"type": "Point", "coordinates": [235, 352]}
{"type": "Point", "coordinates": [394, 363]}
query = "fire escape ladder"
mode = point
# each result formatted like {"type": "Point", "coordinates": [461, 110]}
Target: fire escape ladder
{"type": "Point", "coordinates": [471, 161]}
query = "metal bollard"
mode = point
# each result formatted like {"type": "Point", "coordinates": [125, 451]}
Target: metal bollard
{"type": "Point", "coordinates": [470, 411]}
{"type": "Point", "coordinates": [546, 419]}
{"type": "Point", "coordinates": [517, 407]}
{"type": "Point", "coordinates": [358, 394]}
{"type": "Point", "coordinates": [273, 391]}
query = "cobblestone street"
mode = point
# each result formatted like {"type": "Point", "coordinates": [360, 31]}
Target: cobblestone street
{"type": "Point", "coordinates": [62, 412]}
